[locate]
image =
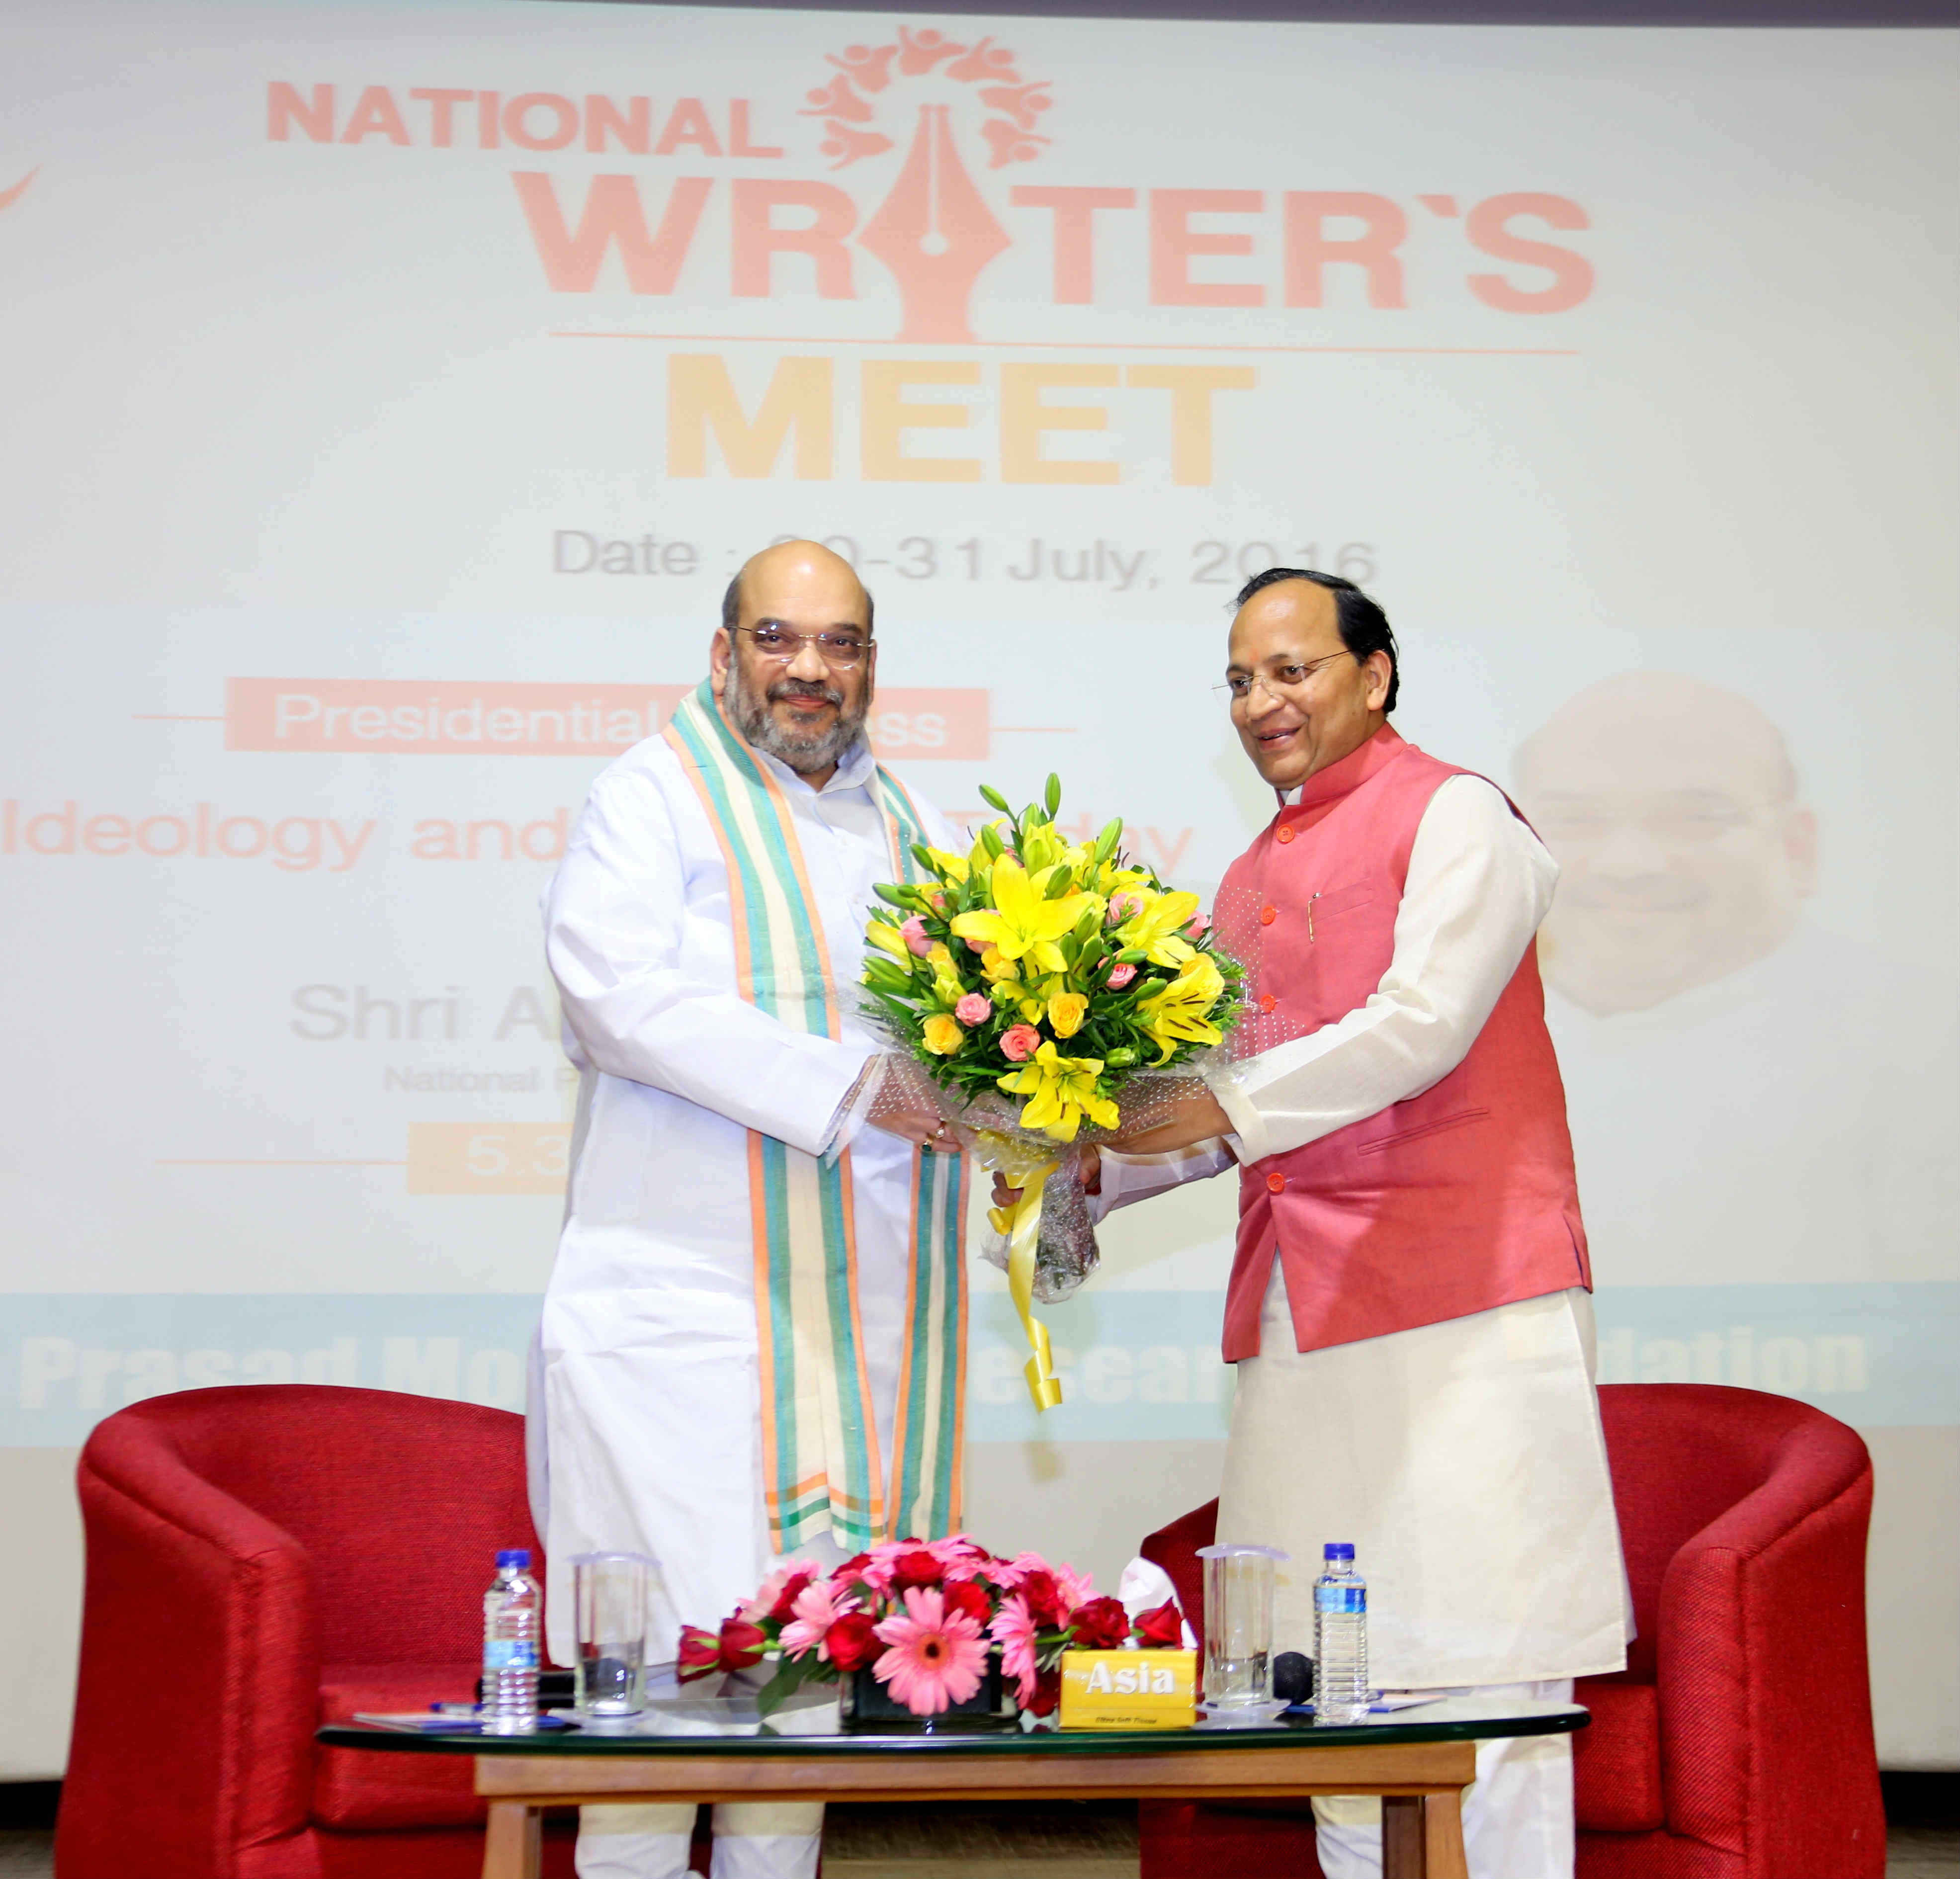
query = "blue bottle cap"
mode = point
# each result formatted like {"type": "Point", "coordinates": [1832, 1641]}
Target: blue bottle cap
{"type": "Point", "coordinates": [520, 1556]}
{"type": "Point", "coordinates": [1338, 1550]}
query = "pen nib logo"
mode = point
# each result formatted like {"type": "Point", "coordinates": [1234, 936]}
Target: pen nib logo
{"type": "Point", "coordinates": [934, 231]}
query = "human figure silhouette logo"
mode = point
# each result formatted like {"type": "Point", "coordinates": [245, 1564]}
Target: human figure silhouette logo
{"type": "Point", "coordinates": [933, 230]}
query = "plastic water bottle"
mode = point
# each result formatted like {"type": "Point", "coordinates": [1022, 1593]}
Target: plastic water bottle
{"type": "Point", "coordinates": [1341, 1691]}
{"type": "Point", "coordinates": [510, 1609]}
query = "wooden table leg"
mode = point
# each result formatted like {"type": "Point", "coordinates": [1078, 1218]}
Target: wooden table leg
{"type": "Point", "coordinates": [1442, 1835]}
{"type": "Point", "coordinates": [514, 1845]}
{"type": "Point", "coordinates": [1422, 1835]}
{"type": "Point", "coordinates": [1404, 1854]}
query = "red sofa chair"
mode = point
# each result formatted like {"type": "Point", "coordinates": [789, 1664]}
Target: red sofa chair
{"type": "Point", "coordinates": [261, 1560]}
{"type": "Point", "coordinates": [1737, 1743]}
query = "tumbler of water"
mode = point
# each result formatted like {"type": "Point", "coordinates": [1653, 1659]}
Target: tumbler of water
{"type": "Point", "coordinates": [609, 1592]}
{"type": "Point", "coordinates": [1238, 1628]}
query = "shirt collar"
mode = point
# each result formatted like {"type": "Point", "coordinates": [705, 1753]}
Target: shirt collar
{"type": "Point", "coordinates": [1342, 778]}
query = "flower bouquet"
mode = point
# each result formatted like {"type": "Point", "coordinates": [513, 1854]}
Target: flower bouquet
{"type": "Point", "coordinates": [924, 1622]}
{"type": "Point", "coordinates": [1054, 989]}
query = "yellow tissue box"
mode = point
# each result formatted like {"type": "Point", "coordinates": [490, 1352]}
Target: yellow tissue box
{"type": "Point", "coordinates": [1129, 1690]}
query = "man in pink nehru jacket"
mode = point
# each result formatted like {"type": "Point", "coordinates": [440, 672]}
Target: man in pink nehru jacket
{"type": "Point", "coordinates": [1410, 1305]}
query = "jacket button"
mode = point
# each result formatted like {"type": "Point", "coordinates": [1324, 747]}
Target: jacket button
{"type": "Point", "coordinates": [1268, 1001]}
{"type": "Point", "coordinates": [1275, 1183]}
{"type": "Point", "coordinates": [1267, 915]}
{"type": "Point", "coordinates": [1285, 832]}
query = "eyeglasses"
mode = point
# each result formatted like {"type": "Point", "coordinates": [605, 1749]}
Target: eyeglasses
{"type": "Point", "coordinates": [834, 649]}
{"type": "Point", "coordinates": [1287, 678]}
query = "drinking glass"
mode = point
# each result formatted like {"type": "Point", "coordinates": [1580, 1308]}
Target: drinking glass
{"type": "Point", "coordinates": [1238, 1631]}
{"type": "Point", "coordinates": [609, 1593]}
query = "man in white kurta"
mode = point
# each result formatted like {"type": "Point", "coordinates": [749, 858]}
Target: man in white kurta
{"type": "Point", "coordinates": [647, 1430]}
{"type": "Point", "coordinates": [1462, 1458]}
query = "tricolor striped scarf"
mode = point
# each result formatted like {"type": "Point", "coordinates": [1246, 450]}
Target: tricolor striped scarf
{"type": "Point", "coordinates": [821, 1451]}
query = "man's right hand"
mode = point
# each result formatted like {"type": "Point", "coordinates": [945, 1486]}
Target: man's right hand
{"type": "Point", "coordinates": [1089, 1158]}
{"type": "Point", "coordinates": [907, 1104]}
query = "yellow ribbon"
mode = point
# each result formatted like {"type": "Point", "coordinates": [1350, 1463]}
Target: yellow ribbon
{"type": "Point", "coordinates": [1020, 1225]}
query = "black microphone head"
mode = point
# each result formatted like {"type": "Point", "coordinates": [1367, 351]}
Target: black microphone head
{"type": "Point", "coordinates": [1293, 1678]}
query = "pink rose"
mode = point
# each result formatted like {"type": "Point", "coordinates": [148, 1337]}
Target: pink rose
{"type": "Point", "coordinates": [974, 1009]}
{"type": "Point", "coordinates": [913, 932]}
{"type": "Point", "coordinates": [1198, 925]}
{"type": "Point", "coordinates": [1123, 907]}
{"type": "Point", "coordinates": [1020, 1042]}
{"type": "Point", "coordinates": [1120, 975]}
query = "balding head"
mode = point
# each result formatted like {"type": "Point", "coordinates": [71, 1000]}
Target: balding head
{"type": "Point", "coordinates": [794, 663]}
{"type": "Point", "coordinates": [805, 560]}
{"type": "Point", "coordinates": [1670, 805]}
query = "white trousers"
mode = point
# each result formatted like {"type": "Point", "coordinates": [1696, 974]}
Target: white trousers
{"type": "Point", "coordinates": [1517, 1815]}
{"type": "Point", "coordinates": [752, 1840]}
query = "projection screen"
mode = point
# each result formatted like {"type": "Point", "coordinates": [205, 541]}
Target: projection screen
{"type": "Point", "coordinates": [391, 390]}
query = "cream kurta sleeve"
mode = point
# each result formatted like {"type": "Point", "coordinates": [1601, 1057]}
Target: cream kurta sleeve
{"type": "Point", "coordinates": [1479, 882]}
{"type": "Point", "coordinates": [613, 917]}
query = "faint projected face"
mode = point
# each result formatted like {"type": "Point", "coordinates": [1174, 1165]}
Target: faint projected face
{"type": "Point", "coordinates": [1669, 806]}
{"type": "Point", "coordinates": [805, 712]}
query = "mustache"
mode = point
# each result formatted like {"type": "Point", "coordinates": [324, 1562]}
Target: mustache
{"type": "Point", "coordinates": [804, 688]}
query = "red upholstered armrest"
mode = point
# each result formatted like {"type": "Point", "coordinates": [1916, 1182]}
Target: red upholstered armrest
{"type": "Point", "coordinates": [1763, 1684]}
{"type": "Point", "coordinates": [199, 1682]}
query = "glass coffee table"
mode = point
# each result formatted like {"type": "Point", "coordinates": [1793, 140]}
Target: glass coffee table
{"type": "Point", "coordinates": [685, 1747]}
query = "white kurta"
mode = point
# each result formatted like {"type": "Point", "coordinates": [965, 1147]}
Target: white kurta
{"type": "Point", "coordinates": [1464, 1459]}
{"type": "Point", "coordinates": [646, 1433]}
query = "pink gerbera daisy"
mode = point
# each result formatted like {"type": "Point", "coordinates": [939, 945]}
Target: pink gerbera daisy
{"type": "Point", "coordinates": [1076, 1588]}
{"type": "Point", "coordinates": [1014, 1630]}
{"type": "Point", "coordinates": [818, 1607]}
{"type": "Point", "coordinates": [936, 1658]}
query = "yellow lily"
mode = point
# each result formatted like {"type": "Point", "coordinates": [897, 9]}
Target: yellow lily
{"type": "Point", "coordinates": [1178, 1011]}
{"type": "Point", "coordinates": [1061, 1090]}
{"type": "Point", "coordinates": [1021, 924]}
{"type": "Point", "coordinates": [949, 867]}
{"type": "Point", "coordinates": [1155, 928]}
{"type": "Point", "coordinates": [888, 939]}
{"type": "Point", "coordinates": [1066, 1011]}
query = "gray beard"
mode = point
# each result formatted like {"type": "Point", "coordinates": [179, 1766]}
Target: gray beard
{"type": "Point", "coordinates": [816, 750]}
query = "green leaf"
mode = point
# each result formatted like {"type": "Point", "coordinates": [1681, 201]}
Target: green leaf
{"type": "Point", "coordinates": [994, 799]}
{"type": "Point", "coordinates": [1052, 798]}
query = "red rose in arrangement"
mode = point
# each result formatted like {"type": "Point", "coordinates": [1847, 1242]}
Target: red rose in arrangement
{"type": "Point", "coordinates": [1047, 1693]}
{"type": "Point", "coordinates": [852, 1641]}
{"type": "Point", "coordinates": [779, 1613]}
{"type": "Point", "coordinates": [700, 1654]}
{"type": "Point", "coordinates": [1043, 1600]}
{"type": "Point", "coordinates": [1163, 1628]}
{"type": "Point", "coordinates": [971, 1599]}
{"type": "Point", "coordinates": [1101, 1624]}
{"type": "Point", "coordinates": [703, 1654]}
{"type": "Point", "coordinates": [910, 1569]}
{"type": "Point", "coordinates": [742, 1644]}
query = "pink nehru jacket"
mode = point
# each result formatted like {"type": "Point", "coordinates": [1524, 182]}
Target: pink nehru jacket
{"type": "Point", "coordinates": [1452, 1202]}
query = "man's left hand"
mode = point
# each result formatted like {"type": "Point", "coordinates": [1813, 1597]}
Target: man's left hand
{"type": "Point", "coordinates": [1192, 1120]}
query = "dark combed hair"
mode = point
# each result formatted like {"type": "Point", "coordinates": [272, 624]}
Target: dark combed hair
{"type": "Point", "coordinates": [1364, 627]}
{"type": "Point", "coordinates": [731, 607]}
